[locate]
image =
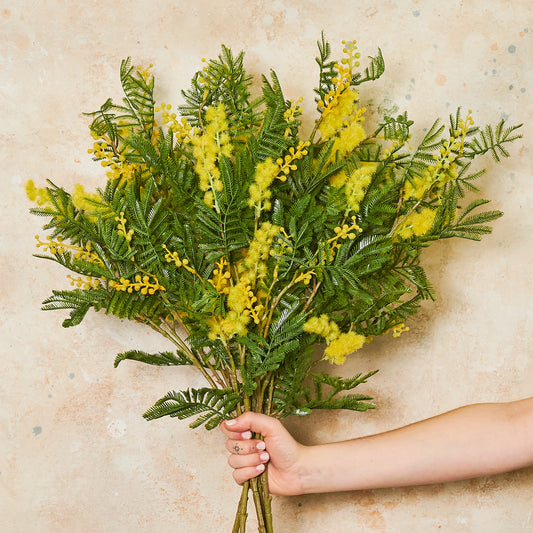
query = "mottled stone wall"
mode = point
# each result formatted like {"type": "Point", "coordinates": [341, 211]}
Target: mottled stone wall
{"type": "Point", "coordinates": [75, 454]}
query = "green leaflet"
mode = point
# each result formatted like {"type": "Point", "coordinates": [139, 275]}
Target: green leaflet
{"type": "Point", "coordinates": [210, 406]}
{"type": "Point", "coordinates": [158, 359]}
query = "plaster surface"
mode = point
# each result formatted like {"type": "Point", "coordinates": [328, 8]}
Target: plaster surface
{"type": "Point", "coordinates": [75, 453]}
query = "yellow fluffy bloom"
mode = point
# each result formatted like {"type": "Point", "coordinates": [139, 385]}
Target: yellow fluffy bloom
{"type": "Point", "coordinates": [207, 149]}
{"type": "Point", "coordinates": [232, 324]}
{"type": "Point", "coordinates": [322, 326]}
{"type": "Point", "coordinates": [243, 301]}
{"type": "Point", "coordinates": [38, 195]}
{"type": "Point", "coordinates": [84, 200]}
{"type": "Point", "coordinates": [253, 267]}
{"type": "Point", "coordinates": [417, 187]}
{"type": "Point", "coordinates": [339, 344]}
{"type": "Point", "coordinates": [445, 168]}
{"type": "Point", "coordinates": [339, 107]}
{"type": "Point", "coordinates": [123, 171]}
{"type": "Point", "coordinates": [348, 140]}
{"type": "Point", "coordinates": [265, 173]}
{"type": "Point", "coordinates": [239, 297]}
{"type": "Point", "coordinates": [343, 345]}
{"type": "Point", "coordinates": [417, 223]}
{"type": "Point", "coordinates": [355, 183]}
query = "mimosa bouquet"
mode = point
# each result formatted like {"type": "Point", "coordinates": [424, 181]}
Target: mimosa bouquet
{"type": "Point", "coordinates": [246, 245]}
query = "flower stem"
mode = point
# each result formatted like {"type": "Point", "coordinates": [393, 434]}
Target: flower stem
{"type": "Point", "coordinates": [239, 526]}
{"type": "Point", "coordinates": [259, 506]}
{"type": "Point", "coordinates": [267, 502]}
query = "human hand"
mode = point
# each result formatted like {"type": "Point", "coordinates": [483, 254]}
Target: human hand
{"type": "Point", "coordinates": [249, 456]}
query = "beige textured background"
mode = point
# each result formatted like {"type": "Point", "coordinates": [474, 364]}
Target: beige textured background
{"type": "Point", "coordinates": [75, 454]}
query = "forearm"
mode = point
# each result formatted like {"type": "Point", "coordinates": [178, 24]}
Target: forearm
{"type": "Point", "coordinates": [468, 442]}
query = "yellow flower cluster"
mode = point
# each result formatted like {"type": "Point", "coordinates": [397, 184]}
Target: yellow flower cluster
{"type": "Point", "coordinates": [305, 277]}
{"type": "Point", "coordinates": [345, 344]}
{"type": "Point", "coordinates": [59, 247]}
{"type": "Point", "coordinates": [399, 329]}
{"type": "Point", "coordinates": [445, 168]}
{"type": "Point", "coordinates": [339, 344]}
{"type": "Point", "coordinates": [338, 103]}
{"type": "Point", "coordinates": [345, 232]}
{"type": "Point", "coordinates": [145, 72]}
{"type": "Point", "coordinates": [182, 130]}
{"type": "Point", "coordinates": [123, 171]}
{"type": "Point", "coordinates": [417, 223]}
{"type": "Point", "coordinates": [119, 168]}
{"type": "Point", "coordinates": [293, 111]}
{"type": "Point", "coordinates": [175, 258]}
{"type": "Point", "coordinates": [121, 228]}
{"type": "Point", "coordinates": [340, 106]}
{"type": "Point", "coordinates": [84, 200]}
{"type": "Point", "coordinates": [353, 56]}
{"type": "Point", "coordinates": [141, 284]}
{"type": "Point", "coordinates": [37, 194]}
{"type": "Point", "coordinates": [286, 164]}
{"type": "Point", "coordinates": [207, 148]}
{"type": "Point", "coordinates": [355, 183]}
{"type": "Point", "coordinates": [231, 324]}
{"type": "Point", "coordinates": [265, 173]}
{"type": "Point", "coordinates": [242, 300]}
{"type": "Point", "coordinates": [252, 266]}
{"type": "Point", "coordinates": [103, 150]}
{"type": "Point", "coordinates": [243, 307]}
{"type": "Point", "coordinates": [221, 278]}
{"type": "Point", "coordinates": [87, 283]}
{"type": "Point", "coordinates": [348, 140]}
{"type": "Point", "coordinates": [322, 326]}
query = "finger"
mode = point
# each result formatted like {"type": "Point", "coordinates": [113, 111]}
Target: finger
{"type": "Point", "coordinates": [244, 447]}
{"type": "Point", "coordinates": [250, 421]}
{"type": "Point", "coordinates": [245, 461]}
{"type": "Point", "coordinates": [244, 474]}
{"type": "Point", "coordinates": [235, 435]}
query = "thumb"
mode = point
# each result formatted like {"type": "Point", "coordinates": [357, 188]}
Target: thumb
{"type": "Point", "coordinates": [254, 422]}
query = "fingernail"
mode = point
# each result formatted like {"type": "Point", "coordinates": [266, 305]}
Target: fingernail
{"type": "Point", "coordinates": [246, 435]}
{"type": "Point", "coordinates": [231, 422]}
{"type": "Point", "coordinates": [261, 445]}
{"type": "Point", "coordinates": [263, 456]}
{"type": "Point", "coordinates": [260, 467]}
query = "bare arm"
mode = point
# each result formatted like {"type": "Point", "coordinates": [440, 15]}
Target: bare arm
{"type": "Point", "coordinates": [471, 441]}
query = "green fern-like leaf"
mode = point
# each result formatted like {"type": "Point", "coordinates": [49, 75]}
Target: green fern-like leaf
{"type": "Point", "coordinates": [492, 140]}
{"type": "Point", "coordinates": [159, 359]}
{"type": "Point", "coordinates": [211, 406]}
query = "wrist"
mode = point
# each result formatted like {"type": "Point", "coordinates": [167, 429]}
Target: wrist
{"type": "Point", "coordinates": [314, 469]}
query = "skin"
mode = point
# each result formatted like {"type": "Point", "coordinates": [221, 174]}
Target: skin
{"type": "Point", "coordinates": [475, 440]}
